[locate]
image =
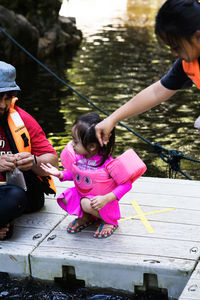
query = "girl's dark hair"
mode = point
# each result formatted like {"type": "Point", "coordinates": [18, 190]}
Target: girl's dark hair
{"type": "Point", "coordinates": [177, 19]}
{"type": "Point", "coordinates": [85, 129]}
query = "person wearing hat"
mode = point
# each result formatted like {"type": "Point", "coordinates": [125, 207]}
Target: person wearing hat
{"type": "Point", "coordinates": [23, 147]}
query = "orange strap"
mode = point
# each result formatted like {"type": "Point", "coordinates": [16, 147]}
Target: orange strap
{"type": "Point", "coordinates": [22, 138]}
{"type": "Point", "coordinates": [48, 180]}
{"type": "Point", "coordinates": [18, 129]}
{"type": "Point", "coordinates": [192, 70]}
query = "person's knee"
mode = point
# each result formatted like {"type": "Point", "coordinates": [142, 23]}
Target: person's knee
{"type": "Point", "coordinates": [13, 202]}
{"type": "Point", "coordinates": [19, 198]}
{"type": "Point", "coordinates": [85, 204]}
{"type": "Point", "coordinates": [16, 200]}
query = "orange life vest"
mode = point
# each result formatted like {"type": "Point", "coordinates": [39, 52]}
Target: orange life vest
{"type": "Point", "coordinates": [18, 129]}
{"type": "Point", "coordinates": [192, 70]}
{"type": "Point", "coordinates": [22, 139]}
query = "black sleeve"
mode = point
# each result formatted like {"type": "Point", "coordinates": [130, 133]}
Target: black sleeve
{"type": "Point", "coordinates": [175, 78]}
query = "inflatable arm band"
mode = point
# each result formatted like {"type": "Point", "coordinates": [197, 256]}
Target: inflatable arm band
{"type": "Point", "coordinates": [127, 166]}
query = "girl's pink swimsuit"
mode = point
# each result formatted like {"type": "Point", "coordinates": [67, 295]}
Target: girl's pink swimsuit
{"type": "Point", "coordinates": [115, 175]}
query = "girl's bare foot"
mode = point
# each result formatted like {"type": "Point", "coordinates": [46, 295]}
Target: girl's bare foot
{"type": "Point", "coordinates": [80, 223]}
{"type": "Point", "coordinates": [105, 230]}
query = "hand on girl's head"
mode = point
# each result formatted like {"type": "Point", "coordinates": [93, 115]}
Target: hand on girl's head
{"type": "Point", "coordinates": [102, 135]}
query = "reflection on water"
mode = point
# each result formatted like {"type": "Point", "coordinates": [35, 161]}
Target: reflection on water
{"type": "Point", "coordinates": [141, 13]}
{"type": "Point", "coordinates": [113, 63]}
{"type": "Point", "coordinates": [92, 15]}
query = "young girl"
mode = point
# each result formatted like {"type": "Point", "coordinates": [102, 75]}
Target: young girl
{"type": "Point", "coordinates": [178, 25]}
{"type": "Point", "coordinates": [100, 181]}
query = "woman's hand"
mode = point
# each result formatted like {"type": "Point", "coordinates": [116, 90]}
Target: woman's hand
{"type": "Point", "coordinates": [7, 162]}
{"type": "Point", "coordinates": [103, 131]}
{"type": "Point", "coordinates": [50, 170]}
{"type": "Point", "coordinates": [24, 161]}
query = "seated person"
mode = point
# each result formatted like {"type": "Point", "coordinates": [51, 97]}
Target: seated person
{"type": "Point", "coordinates": [23, 145]}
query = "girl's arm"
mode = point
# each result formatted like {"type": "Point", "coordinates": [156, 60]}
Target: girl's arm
{"type": "Point", "coordinates": [143, 101]}
{"type": "Point", "coordinates": [98, 202]}
{"type": "Point", "coordinates": [122, 189]}
{"type": "Point", "coordinates": [66, 175]}
{"type": "Point", "coordinates": [50, 170]}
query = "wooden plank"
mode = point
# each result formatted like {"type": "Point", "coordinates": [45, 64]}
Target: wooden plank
{"type": "Point", "coordinates": [164, 186]}
{"type": "Point", "coordinates": [179, 216]}
{"type": "Point", "coordinates": [39, 220]}
{"type": "Point", "coordinates": [51, 206]}
{"type": "Point", "coordinates": [172, 231]}
{"type": "Point", "coordinates": [126, 244]}
{"type": "Point", "coordinates": [28, 236]}
{"type": "Point", "coordinates": [164, 200]}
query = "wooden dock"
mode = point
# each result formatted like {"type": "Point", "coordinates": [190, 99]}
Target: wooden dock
{"type": "Point", "coordinates": [157, 244]}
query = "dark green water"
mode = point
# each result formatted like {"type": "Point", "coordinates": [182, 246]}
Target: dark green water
{"type": "Point", "coordinates": [109, 68]}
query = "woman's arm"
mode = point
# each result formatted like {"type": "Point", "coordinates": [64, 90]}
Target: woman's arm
{"type": "Point", "coordinates": [143, 101]}
{"type": "Point", "coordinates": [44, 158]}
{"type": "Point", "coordinates": [26, 161]}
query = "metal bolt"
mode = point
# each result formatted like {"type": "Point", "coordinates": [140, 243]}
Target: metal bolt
{"type": "Point", "coordinates": [37, 236]}
{"type": "Point", "coordinates": [194, 250]}
{"type": "Point", "coordinates": [51, 237]}
{"type": "Point", "coordinates": [152, 261]}
{"type": "Point", "coordinates": [193, 288]}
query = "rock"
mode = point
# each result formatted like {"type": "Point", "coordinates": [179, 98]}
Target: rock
{"type": "Point", "coordinates": [40, 29]}
{"type": "Point", "coordinates": [22, 31]}
{"type": "Point", "coordinates": [67, 24]}
{"type": "Point", "coordinates": [76, 40]}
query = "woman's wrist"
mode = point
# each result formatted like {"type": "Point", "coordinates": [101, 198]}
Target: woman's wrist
{"type": "Point", "coordinates": [113, 121]}
{"type": "Point", "coordinates": [34, 160]}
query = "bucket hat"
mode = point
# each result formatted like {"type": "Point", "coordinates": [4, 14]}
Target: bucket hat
{"type": "Point", "coordinates": [7, 78]}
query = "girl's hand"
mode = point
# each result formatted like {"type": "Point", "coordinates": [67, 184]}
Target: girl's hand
{"type": "Point", "coordinates": [98, 202]}
{"type": "Point", "coordinates": [50, 170]}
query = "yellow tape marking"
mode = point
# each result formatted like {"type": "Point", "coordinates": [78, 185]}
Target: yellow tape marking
{"type": "Point", "coordinates": [141, 215]}
{"type": "Point", "coordinates": [146, 214]}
